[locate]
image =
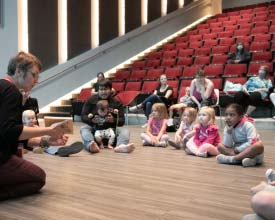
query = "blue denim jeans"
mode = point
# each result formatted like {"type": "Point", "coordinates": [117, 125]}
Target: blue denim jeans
{"type": "Point", "coordinates": [148, 103]}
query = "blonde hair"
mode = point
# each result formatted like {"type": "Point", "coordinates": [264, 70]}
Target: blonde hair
{"type": "Point", "coordinates": [161, 109]}
{"type": "Point", "coordinates": [211, 113]}
{"type": "Point", "coordinates": [192, 112]}
{"type": "Point", "coordinates": [27, 113]}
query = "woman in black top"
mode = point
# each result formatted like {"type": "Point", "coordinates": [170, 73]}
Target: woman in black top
{"type": "Point", "coordinates": [240, 56]}
{"type": "Point", "coordinates": [18, 176]}
{"type": "Point", "coordinates": [163, 94]}
{"type": "Point", "coordinates": [100, 76]}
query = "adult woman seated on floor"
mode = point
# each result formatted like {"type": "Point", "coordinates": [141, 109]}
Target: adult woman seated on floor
{"type": "Point", "coordinates": [20, 177]}
{"type": "Point", "coordinates": [202, 91]}
{"type": "Point", "coordinates": [239, 56]}
{"type": "Point", "coordinates": [254, 91]}
{"type": "Point", "coordinates": [163, 94]}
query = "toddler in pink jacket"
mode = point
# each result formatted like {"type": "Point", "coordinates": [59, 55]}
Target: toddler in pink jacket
{"type": "Point", "coordinates": [206, 137]}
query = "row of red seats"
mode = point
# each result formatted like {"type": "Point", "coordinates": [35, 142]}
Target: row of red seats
{"type": "Point", "coordinates": [263, 35]}
{"type": "Point", "coordinates": [257, 28]}
{"type": "Point", "coordinates": [202, 60]}
{"type": "Point", "coordinates": [242, 35]}
{"type": "Point", "coordinates": [250, 9]}
{"type": "Point", "coordinates": [228, 70]}
{"type": "Point", "coordinates": [225, 41]}
{"type": "Point", "coordinates": [147, 87]}
{"type": "Point", "coordinates": [253, 22]}
{"type": "Point", "coordinates": [208, 51]}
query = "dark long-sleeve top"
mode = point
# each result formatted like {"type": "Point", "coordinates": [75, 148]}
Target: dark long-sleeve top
{"type": "Point", "coordinates": [90, 107]}
{"type": "Point", "coordinates": [11, 125]}
{"type": "Point", "coordinates": [243, 57]}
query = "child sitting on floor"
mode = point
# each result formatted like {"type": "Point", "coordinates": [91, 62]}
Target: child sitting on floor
{"type": "Point", "coordinates": [185, 101]}
{"type": "Point", "coordinates": [186, 129]}
{"type": "Point", "coordinates": [155, 134]}
{"type": "Point", "coordinates": [45, 143]}
{"type": "Point", "coordinates": [206, 137]}
{"type": "Point", "coordinates": [103, 131]}
{"type": "Point", "coordinates": [241, 142]}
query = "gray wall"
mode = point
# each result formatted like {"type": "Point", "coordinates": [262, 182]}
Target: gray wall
{"type": "Point", "coordinates": [83, 68]}
{"type": "Point", "coordinates": [8, 34]}
{"type": "Point", "coordinates": [239, 3]}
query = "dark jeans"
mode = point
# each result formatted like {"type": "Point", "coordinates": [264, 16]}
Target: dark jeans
{"type": "Point", "coordinates": [19, 177]}
{"type": "Point", "coordinates": [148, 103]}
{"type": "Point", "coordinates": [254, 98]}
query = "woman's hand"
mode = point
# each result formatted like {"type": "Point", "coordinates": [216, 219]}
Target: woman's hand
{"type": "Point", "coordinates": [59, 129]}
{"type": "Point", "coordinates": [245, 90]}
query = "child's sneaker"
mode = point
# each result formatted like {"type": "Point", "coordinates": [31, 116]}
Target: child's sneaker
{"type": "Point", "coordinates": [134, 108]}
{"type": "Point", "coordinates": [204, 154]}
{"type": "Point", "coordinates": [145, 143]}
{"type": "Point", "coordinates": [162, 144]}
{"type": "Point", "coordinates": [270, 175]}
{"type": "Point", "coordinates": [173, 144]}
{"type": "Point", "coordinates": [224, 159]}
{"type": "Point", "coordinates": [249, 162]}
{"type": "Point", "coordinates": [38, 150]}
{"type": "Point", "coordinates": [252, 217]}
{"type": "Point", "coordinates": [170, 122]}
{"type": "Point", "coordinates": [145, 125]}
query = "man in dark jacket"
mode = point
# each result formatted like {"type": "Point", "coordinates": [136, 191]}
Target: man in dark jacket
{"type": "Point", "coordinates": [87, 131]}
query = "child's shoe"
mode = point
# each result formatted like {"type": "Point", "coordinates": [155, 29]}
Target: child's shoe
{"type": "Point", "coordinates": [38, 150]}
{"type": "Point", "coordinates": [174, 144]}
{"type": "Point", "coordinates": [224, 159]}
{"type": "Point", "coordinates": [145, 125]}
{"type": "Point", "coordinates": [204, 154]}
{"type": "Point", "coordinates": [170, 122]}
{"type": "Point", "coordinates": [249, 162]}
{"type": "Point", "coordinates": [270, 175]}
{"type": "Point", "coordinates": [252, 217]}
{"type": "Point", "coordinates": [162, 144]}
{"type": "Point", "coordinates": [134, 108]}
{"type": "Point", "coordinates": [145, 143]}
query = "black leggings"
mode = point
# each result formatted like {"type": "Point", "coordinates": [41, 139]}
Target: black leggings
{"type": "Point", "coordinates": [254, 98]}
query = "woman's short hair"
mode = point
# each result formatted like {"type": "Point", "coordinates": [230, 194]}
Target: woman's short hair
{"type": "Point", "coordinates": [23, 61]}
{"type": "Point", "coordinates": [265, 68]}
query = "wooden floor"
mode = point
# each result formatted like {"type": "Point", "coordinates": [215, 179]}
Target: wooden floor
{"type": "Point", "coordinates": [148, 184]}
